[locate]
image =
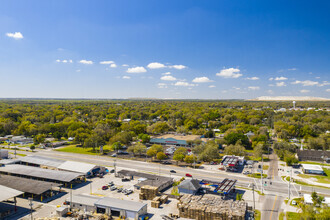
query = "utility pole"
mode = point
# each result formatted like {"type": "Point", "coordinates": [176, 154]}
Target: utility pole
{"type": "Point", "coordinates": [254, 201]}
{"type": "Point", "coordinates": [114, 165]}
{"type": "Point", "coordinates": [262, 170]}
{"type": "Point", "coordinates": [31, 205]}
{"type": "Point", "coordinates": [71, 200]}
{"type": "Point", "coordinates": [290, 183]}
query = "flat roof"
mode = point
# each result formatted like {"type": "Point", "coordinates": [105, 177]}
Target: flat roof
{"type": "Point", "coordinates": [8, 193]}
{"type": "Point", "coordinates": [45, 161]}
{"type": "Point", "coordinates": [26, 185]}
{"type": "Point", "coordinates": [312, 167]}
{"type": "Point", "coordinates": [84, 199]}
{"type": "Point", "coordinates": [37, 172]}
{"type": "Point", "coordinates": [120, 204]}
{"type": "Point", "coordinates": [9, 161]}
{"type": "Point", "coordinates": [77, 167]}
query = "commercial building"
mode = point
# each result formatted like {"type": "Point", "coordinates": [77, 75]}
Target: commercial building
{"type": "Point", "coordinates": [312, 169]}
{"type": "Point", "coordinates": [189, 186]}
{"type": "Point", "coordinates": [5, 162]}
{"type": "Point", "coordinates": [174, 140]}
{"type": "Point", "coordinates": [231, 162]}
{"type": "Point", "coordinates": [110, 206]}
{"type": "Point", "coordinates": [313, 155]}
{"type": "Point", "coordinates": [7, 193]}
{"type": "Point", "coordinates": [43, 162]}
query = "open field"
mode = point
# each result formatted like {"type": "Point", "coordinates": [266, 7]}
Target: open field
{"type": "Point", "coordinates": [82, 150]}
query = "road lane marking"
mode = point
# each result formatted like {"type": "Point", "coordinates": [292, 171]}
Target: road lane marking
{"type": "Point", "coordinates": [270, 217]}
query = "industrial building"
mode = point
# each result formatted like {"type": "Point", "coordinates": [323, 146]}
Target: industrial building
{"type": "Point", "coordinates": [312, 169]}
{"type": "Point", "coordinates": [176, 140]}
{"type": "Point", "coordinates": [31, 188]}
{"type": "Point", "coordinates": [110, 206]}
{"type": "Point", "coordinates": [56, 176]}
{"type": "Point", "coordinates": [161, 182]}
{"type": "Point", "coordinates": [6, 194]}
{"type": "Point", "coordinates": [189, 186]}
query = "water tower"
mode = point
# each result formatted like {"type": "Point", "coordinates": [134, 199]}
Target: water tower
{"type": "Point", "coordinates": [294, 104]}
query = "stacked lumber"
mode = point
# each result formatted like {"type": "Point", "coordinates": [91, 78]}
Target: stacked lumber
{"type": "Point", "coordinates": [155, 203]}
{"type": "Point", "coordinates": [163, 199]}
{"type": "Point", "coordinates": [148, 192]}
{"type": "Point", "coordinates": [210, 207]}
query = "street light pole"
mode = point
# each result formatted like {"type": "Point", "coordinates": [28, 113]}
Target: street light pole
{"type": "Point", "coordinates": [31, 205]}
{"type": "Point", "coordinates": [262, 170]}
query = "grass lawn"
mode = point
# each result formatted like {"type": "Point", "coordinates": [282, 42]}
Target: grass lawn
{"type": "Point", "coordinates": [257, 214]}
{"type": "Point", "coordinates": [281, 216]}
{"type": "Point", "coordinates": [292, 216]}
{"type": "Point", "coordinates": [298, 200]}
{"type": "Point", "coordinates": [316, 163]}
{"type": "Point", "coordinates": [265, 167]}
{"type": "Point", "coordinates": [22, 155]}
{"type": "Point", "coordinates": [320, 179]}
{"type": "Point", "coordinates": [81, 150]}
{"type": "Point", "coordinates": [257, 175]}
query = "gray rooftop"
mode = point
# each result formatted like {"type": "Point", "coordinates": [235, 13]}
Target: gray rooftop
{"type": "Point", "coordinates": [37, 172]}
{"type": "Point", "coordinates": [9, 161]}
{"type": "Point", "coordinates": [190, 184]}
{"type": "Point", "coordinates": [44, 161]}
{"type": "Point", "coordinates": [120, 204]}
{"type": "Point", "coordinates": [26, 185]}
{"type": "Point", "coordinates": [8, 193]}
{"type": "Point", "coordinates": [77, 167]}
{"type": "Point", "coordinates": [84, 199]}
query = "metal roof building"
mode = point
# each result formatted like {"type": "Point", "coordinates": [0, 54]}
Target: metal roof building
{"type": "Point", "coordinates": [8, 193]}
{"type": "Point", "coordinates": [42, 161]}
{"type": "Point", "coordinates": [9, 161]}
{"type": "Point", "coordinates": [27, 185]}
{"type": "Point", "coordinates": [78, 167]}
{"type": "Point", "coordinates": [189, 186]}
{"type": "Point", "coordinates": [312, 169]}
{"type": "Point", "coordinates": [39, 173]}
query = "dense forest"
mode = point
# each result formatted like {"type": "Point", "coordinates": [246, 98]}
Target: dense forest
{"type": "Point", "coordinates": [102, 121]}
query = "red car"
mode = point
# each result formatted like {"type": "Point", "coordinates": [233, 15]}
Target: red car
{"type": "Point", "coordinates": [105, 187]}
{"type": "Point", "coordinates": [188, 175]}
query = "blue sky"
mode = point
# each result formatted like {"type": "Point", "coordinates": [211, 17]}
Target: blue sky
{"type": "Point", "coordinates": [164, 49]}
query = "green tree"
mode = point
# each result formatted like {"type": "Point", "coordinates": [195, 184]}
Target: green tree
{"type": "Point", "coordinates": [236, 149]}
{"type": "Point", "coordinates": [117, 146]}
{"type": "Point", "coordinates": [137, 149]}
{"type": "Point", "coordinates": [234, 137]}
{"type": "Point", "coordinates": [258, 151]}
{"type": "Point", "coordinates": [39, 138]}
{"type": "Point", "coordinates": [190, 159]}
{"type": "Point", "coordinates": [161, 156]}
{"type": "Point", "coordinates": [32, 147]}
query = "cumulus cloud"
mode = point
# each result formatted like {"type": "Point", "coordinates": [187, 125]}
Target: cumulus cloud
{"type": "Point", "coordinates": [280, 84]}
{"type": "Point", "coordinates": [125, 65]}
{"type": "Point", "coordinates": [156, 65]}
{"type": "Point", "coordinates": [270, 91]}
{"type": "Point", "coordinates": [167, 73]}
{"type": "Point", "coordinates": [281, 78]}
{"type": "Point", "coordinates": [113, 65]}
{"type": "Point", "coordinates": [126, 77]}
{"type": "Point", "coordinates": [88, 62]}
{"type": "Point", "coordinates": [324, 83]}
{"type": "Point", "coordinates": [327, 90]}
{"type": "Point", "coordinates": [230, 73]}
{"type": "Point", "coordinates": [63, 61]}
{"type": "Point", "coordinates": [202, 79]}
{"type": "Point", "coordinates": [138, 69]}
{"type": "Point", "coordinates": [271, 78]}
{"type": "Point", "coordinates": [292, 69]}
{"type": "Point", "coordinates": [162, 85]}
{"type": "Point", "coordinates": [16, 35]}
{"type": "Point", "coordinates": [107, 62]}
{"type": "Point", "coordinates": [212, 86]}
{"type": "Point", "coordinates": [304, 91]}
{"type": "Point", "coordinates": [178, 67]}
{"type": "Point", "coordinates": [168, 78]}
{"type": "Point", "coordinates": [183, 84]}
{"type": "Point", "coordinates": [253, 87]}
{"type": "Point", "coordinates": [306, 83]}
{"type": "Point", "coordinates": [253, 78]}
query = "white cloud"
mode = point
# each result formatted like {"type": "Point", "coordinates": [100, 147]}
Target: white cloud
{"type": "Point", "coordinates": [16, 35]}
{"type": "Point", "coordinates": [306, 83]}
{"type": "Point", "coordinates": [88, 62]}
{"type": "Point", "coordinates": [253, 87]}
{"type": "Point", "coordinates": [156, 65]}
{"type": "Point", "coordinates": [280, 84]}
{"type": "Point", "coordinates": [162, 85]}
{"type": "Point", "coordinates": [178, 67]}
{"type": "Point", "coordinates": [324, 83]}
{"type": "Point", "coordinates": [70, 61]}
{"type": "Point", "coordinates": [270, 91]}
{"type": "Point", "coordinates": [253, 78]}
{"type": "Point", "coordinates": [292, 69]}
{"type": "Point", "coordinates": [327, 90]}
{"type": "Point", "coordinates": [230, 73]}
{"type": "Point", "coordinates": [58, 61]}
{"type": "Point", "coordinates": [64, 61]}
{"type": "Point", "coordinates": [138, 69]}
{"type": "Point", "coordinates": [126, 77]}
{"type": "Point", "coordinates": [78, 71]}
{"type": "Point", "coordinates": [124, 65]}
{"type": "Point", "coordinates": [280, 78]}
{"type": "Point", "coordinates": [168, 78]}
{"type": "Point", "coordinates": [271, 78]}
{"type": "Point", "coordinates": [107, 62]}
{"type": "Point", "coordinates": [167, 73]}
{"type": "Point", "coordinates": [304, 91]}
{"type": "Point", "coordinates": [113, 65]}
{"type": "Point", "coordinates": [183, 84]}
{"type": "Point", "coordinates": [212, 86]}
{"type": "Point", "coordinates": [202, 79]}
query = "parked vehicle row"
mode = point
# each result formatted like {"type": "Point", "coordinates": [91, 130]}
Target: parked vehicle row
{"type": "Point", "coordinates": [112, 187]}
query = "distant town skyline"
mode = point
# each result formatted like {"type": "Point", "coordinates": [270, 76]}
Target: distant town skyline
{"type": "Point", "coordinates": [164, 49]}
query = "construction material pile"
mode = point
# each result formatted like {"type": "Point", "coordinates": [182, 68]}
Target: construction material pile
{"type": "Point", "coordinates": [148, 192]}
{"type": "Point", "coordinates": [210, 207]}
{"type": "Point", "coordinates": [158, 200]}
